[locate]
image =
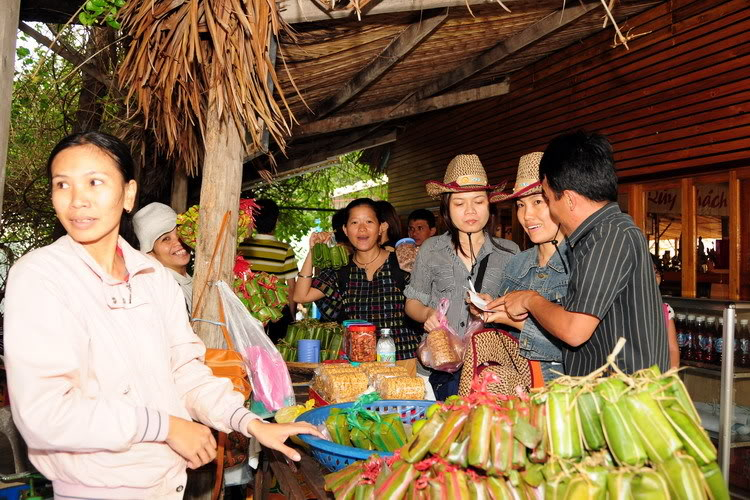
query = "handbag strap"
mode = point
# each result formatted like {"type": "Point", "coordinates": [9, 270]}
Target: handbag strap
{"type": "Point", "coordinates": [218, 244]}
{"type": "Point", "coordinates": [480, 273]}
{"type": "Point", "coordinates": [219, 479]}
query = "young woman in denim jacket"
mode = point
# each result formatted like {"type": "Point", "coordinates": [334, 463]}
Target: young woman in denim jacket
{"type": "Point", "coordinates": [540, 268]}
{"type": "Point", "coordinates": [466, 252]}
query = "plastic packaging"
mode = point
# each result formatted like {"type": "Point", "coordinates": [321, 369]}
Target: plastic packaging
{"type": "Point", "coordinates": [270, 379]}
{"type": "Point", "coordinates": [406, 253]}
{"type": "Point", "coordinates": [362, 342]}
{"type": "Point", "coordinates": [443, 349]}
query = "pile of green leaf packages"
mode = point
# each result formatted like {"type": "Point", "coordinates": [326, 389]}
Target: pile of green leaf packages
{"type": "Point", "coordinates": [264, 295]}
{"type": "Point", "coordinates": [596, 437]}
{"type": "Point", "coordinates": [331, 336]}
{"type": "Point", "coordinates": [325, 256]}
{"type": "Point", "coordinates": [365, 429]}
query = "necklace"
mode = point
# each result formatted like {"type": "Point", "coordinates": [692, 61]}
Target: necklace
{"type": "Point", "coordinates": [364, 266]}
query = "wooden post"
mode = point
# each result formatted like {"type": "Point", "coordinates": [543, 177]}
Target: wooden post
{"type": "Point", "coordinates": [220, 191]}
{"type": "Point", "coordinates": [179, 196]}
{"type": "Point", "coordinates": [735, 236]}
{"type": "Point", "coordinates": [689, 238]}
{"type": "Point", "coordinates": [8, 30]}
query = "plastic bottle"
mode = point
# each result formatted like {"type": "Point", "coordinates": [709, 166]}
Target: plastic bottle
{"type": "Point", "coordinates": [682, 336]}
{"type": "Point", "coordinates": [700, 335]}
{"type": "Point", "coordinates": [744, 337]}
{"type": "Point", "coordinates": [710, 354]}
{"type": "Point", "coordinates": [386, 348]}
{"type": "Point", "coordinates": [691, 339]}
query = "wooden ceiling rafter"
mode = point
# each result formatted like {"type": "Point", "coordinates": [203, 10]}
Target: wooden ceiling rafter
{"type": "Point", "coordinates": [315, 156]}
{"type": "Point", "coordinates": [302, 11]}
{"type": "Point", "coordinates": [503, 50]}
{"type": "Point", "coordinates": [390, 55]}
{"type": "Point", "coordinates": [401, 110]}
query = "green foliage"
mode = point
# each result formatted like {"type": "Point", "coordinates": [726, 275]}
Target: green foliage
{"type": "Point", "coordinates": [316, 190]}
{"type": "Point", "coordinates": [97, 11]}
{"type": "Point", "coordinates": [42, 109]}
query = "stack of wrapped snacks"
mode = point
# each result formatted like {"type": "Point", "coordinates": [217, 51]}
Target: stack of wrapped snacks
{"type": "Point", "coordinates": [372, 369]}
{"type": "Point", "coordinates": [377, 377]}
{"type": "Point", "coordinates": [340, 383]}
{"type": "Point", "coordinates": [402, 388]}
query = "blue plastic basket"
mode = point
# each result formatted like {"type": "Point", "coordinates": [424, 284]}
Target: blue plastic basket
{"type": "Point", "coordinates": [336, 456]}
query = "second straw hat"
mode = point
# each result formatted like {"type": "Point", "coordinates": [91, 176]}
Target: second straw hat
{"type": "Point", "coordinates": [527, 179]}
{"type": "Point", "coordinates": [465, 173]}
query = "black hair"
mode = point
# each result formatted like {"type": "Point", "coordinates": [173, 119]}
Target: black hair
{"type": "Point", "coordinates": [389, 215]}
{"type": "Point", "coordinates": [423, 214]}
{"type": "Point", "coordinates": [338, 221]}
{"type": "Point", "coordinates": [267, 217]}
{"type": "Point", "coordinates": [362, 202]}
{"type": "Point", "coordinates": [445, 213]}
{"type": "Point", "coordinates": [115, 149]}
{"type": "Point", "coordinates": [582, 162]}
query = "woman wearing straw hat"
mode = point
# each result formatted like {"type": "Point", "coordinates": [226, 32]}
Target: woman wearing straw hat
{"type": "Point", "coordinates": [465, 253]}
{"type": "Point", "coordinates": [540, 268]}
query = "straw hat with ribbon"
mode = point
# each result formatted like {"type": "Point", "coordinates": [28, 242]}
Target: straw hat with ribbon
{"type": "Point", "coordinates": [527, 179]}
{"type": "Point", "coordinates": [465, 173]}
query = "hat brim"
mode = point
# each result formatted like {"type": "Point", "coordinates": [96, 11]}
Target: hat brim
{"type": "Point", "coordinates": [435, 188]}
{"type": "Point", "coordinates": [497, 196]}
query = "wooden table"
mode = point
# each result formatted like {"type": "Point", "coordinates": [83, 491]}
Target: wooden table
{"type": "Point", "coordinates": [274, 464]}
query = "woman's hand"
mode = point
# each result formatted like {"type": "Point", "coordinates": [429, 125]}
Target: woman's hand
{"type": "Point", "coordinates": [432, 322]}
{"type": "Point", "coordinates": [192, 441]}
{"type": "Point", "coordinates": [320, 237]}
{"type": "Point", "coordinates": [274, 435]}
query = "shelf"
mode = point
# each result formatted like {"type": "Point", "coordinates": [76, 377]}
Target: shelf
{"type": "Point", "coordinates": [711, 370]}
{"type": "Point", "coordinates": [738, 440]}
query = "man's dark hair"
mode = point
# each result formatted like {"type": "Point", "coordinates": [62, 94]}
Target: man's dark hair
{"type": "Point", "coordinates": [581, 162]}
{"type": "Point", "coordinates": [267, 216]}
{"type": "Point", "coordinates": [423, 214]}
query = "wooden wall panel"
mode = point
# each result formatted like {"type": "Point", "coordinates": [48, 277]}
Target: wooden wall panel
{"type": "Point", "coordinates": [677, 100]}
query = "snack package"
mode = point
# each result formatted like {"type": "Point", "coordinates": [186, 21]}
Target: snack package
{"type": "Point", "coordinates": [406, 253]}
{"type": "Point", "coordinates": [442, 349]}
{"type": "Point", "coordinates": [402, 388]}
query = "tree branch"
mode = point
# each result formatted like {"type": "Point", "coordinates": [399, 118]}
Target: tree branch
{"type": "Point", "coordinates": [71, 56]}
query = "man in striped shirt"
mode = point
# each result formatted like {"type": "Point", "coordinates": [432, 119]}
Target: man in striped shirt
{"type": "Point", "coordinates": [612, 292]}
{"type": "Point", "coordinates": [275, 257]}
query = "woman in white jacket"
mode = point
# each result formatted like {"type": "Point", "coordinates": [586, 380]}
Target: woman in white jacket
{"type": "Point", "coordinates": [106, 376]}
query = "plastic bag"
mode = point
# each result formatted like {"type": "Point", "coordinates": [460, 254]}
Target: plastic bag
{"type": "Point", "coordinates": [443, 349]}
{"type": "Point", "coordinates": [270, 379]}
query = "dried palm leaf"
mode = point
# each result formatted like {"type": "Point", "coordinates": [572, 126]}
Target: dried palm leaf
{"type": "Point", "coordinates": [182, 48]}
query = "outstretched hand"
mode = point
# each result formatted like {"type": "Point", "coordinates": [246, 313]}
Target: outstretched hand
{"type": "Point", "coordinates": [274, 435]}
{"type": "Point", "coordinates": [319, 237]}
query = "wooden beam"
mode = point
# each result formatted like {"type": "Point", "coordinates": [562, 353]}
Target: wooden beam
{"type": "Point", "coordinates": [69, 55]}
{"type": "Point", "coordinates": [409, 108]}
{"type": "Point", "coordinates": [735, 236]}
{"type": "Point", "coordinates": [506, 48]}
{"type": "Point", "coordinates": [301, 11]}
{"type": "Point", "coordinates": [179, 194]}
{"type": "Point", "coordinates": [394, 52]}
{"type": "Point", "coordinates": [689, 243]}
{"type": "Point", "coordinates": [320, 157]}
{"type": "Point", "coordinates": [8, 26]}
{"type": "Point", "coordinates": [220, 192]}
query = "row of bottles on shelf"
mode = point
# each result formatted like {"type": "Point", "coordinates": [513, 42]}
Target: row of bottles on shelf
{"type": "Point", "coordinates": [700, 339]}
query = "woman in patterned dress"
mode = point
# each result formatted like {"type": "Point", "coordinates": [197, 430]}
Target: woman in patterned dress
{"type": "Point", "coordinates": [370, 288]}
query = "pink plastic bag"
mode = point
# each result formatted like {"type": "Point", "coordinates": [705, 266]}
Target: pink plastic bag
{"type": "Point", "coordinates": [443, 349]}
{"type": "Point", "coordinates": [268, 372]}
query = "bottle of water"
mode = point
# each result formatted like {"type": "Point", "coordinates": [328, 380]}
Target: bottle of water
{"type": "Point", "coordinates": [386, 348]}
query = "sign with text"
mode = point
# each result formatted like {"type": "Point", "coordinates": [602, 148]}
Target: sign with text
{"type": "Point", "coordinates": [712, 199]}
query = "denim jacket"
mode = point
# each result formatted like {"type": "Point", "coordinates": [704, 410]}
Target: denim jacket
{"type": "Point", "coordinates": [551, 282]}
